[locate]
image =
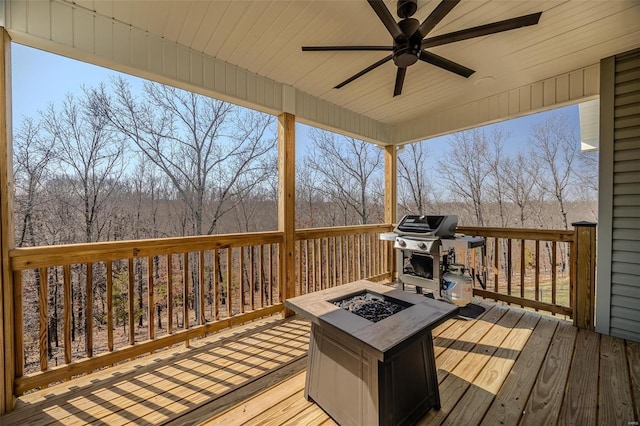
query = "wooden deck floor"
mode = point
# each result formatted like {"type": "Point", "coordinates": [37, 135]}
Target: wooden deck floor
{"type": "Point", "coordinates": [505, 367]}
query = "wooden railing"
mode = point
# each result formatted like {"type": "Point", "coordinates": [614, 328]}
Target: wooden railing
{"type": "Point", "coordinates": [108, 302]}
{"type": "Point", "coordinates": [82, 307]}
{"type": "Point", "coordinates": [532, 268]}
{"type": "Point", "coordinates": [327, 257]}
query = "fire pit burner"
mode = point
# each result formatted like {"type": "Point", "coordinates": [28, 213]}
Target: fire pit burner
{"type": "Point", "coordinates": [370, 306]}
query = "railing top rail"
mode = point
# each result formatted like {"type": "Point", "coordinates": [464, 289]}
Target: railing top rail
{"type": "Point", "coordinates": [311, 233]}
{"type": "Point", "coordinates": [519, 233]}
{"type": "Point", "coordinates": [34, 257]}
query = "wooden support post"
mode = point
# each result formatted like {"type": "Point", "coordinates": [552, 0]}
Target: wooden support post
{"type": "Point", "coordinates": [584, 271]}
{"type": "Point", "coordinates": [7, 327]}
{"type": "Point", "coordinates": [286, 206]}
{"type": "Point", "coordinates": [391, 199]}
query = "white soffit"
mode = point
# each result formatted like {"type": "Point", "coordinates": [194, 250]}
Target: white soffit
{"type": "Point", "coordinates": [590, 125]}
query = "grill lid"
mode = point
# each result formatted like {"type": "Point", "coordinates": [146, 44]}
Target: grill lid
{"type": "Point", "coordinates": [443, 226]}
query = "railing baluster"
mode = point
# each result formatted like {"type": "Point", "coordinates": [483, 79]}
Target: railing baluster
{"type": "Point", "coordinates": [349, 258]}
{"type": "Point", "coordinates": [89, 311]}
{"type": "Point", "coordinates": [216, 284]}
{"type": "Point", "coordinates": [185, 294]}
{"type": "Point", "coordinates": [522, 271]}
{"type": "Point", "coordinates": [537, 271]}
{"type": "Point", "coordinates": [496, 264]}
{"type": "Point", "coordinates": [341, 259]}
{"type": "Point", "coordinates": [372, 252]}
{"type": "Point", "coordinates": [66, 312]}
{"type": "Point", "coordinates": [327, 272]}
{"type": "Point", "coordinates": [132, 334]}
{"type": "Point", "coordinates": [201, 320]}
{"type": "Point", "coordinates": [241, 275]}
{"type": "Point", "coordinates": [270, 288]}
{"type": "Point", "coordinates": [169, 293]}
{"type": "Point", "coordinates": [509, 266]}
{"type": "Point", "coordinates": [109, 306]}
{"type": "Point", "coordinates": [44, 316]}
{"type": "Point", "coordinates": [335, 261]}
{"type": "Point", "coordinates": [313, 264]}
{"type": "Point", "coordinates": [553, 274]}
{"type": "Point", "coordinates": [299, 269]}
{"type": "Point", "coordinates": [357, 256]}
{"type": "Point", "coordinates": [261, 277]}
{"type": "Point", "coordinates": [150, 299]}
{"type": "Point", "coordinates": [228, 280]}
{"type": "Point", "coordinates": [318, 265]}
{"type": "Point", "coordinates": [18, 320]}
{"type": "Point", "coordinates": [252, 279]}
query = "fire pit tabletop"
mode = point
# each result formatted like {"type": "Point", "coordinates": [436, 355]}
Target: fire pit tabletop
{"type": "Point", "coordinates": [383, 336]}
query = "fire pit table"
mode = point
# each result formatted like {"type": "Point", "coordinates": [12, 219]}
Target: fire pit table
{"type": "Point", "coordinates": [376, 371]}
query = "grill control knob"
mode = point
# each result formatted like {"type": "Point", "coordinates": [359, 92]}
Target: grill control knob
{"type": "Point", "coordinates": [402, 243]}
{"type": "Point", "coordinates": [422, 246]}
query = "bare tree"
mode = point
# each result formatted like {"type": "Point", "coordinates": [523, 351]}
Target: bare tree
{"type": "Point", "coordinates": [415, 184]}
{"type": "Point", "coordinates": [496, 162]}
{"type": "Point", "coordinates": [91, 156]}
{"type": "Point", "coordinates": [520, 176]}
{"type": "Point", "coordinates": [555, 147]}
{"type": "Point", "coordinates": [33, 156]}
{"type": "Point", "coordinates": [465, 171]}
{"type": "Point", "coordinates": [204, 146]}
{"type": "Point", "coordinates": [346, 169]}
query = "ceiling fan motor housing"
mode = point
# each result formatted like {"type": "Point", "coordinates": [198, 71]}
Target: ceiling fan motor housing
{"type": "Point", "coordinates": [406, 52]}
{"type": "Point", "coordinates": [407, 8]}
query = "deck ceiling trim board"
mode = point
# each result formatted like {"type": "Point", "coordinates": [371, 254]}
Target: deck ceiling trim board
{"type": "Point", "coordinates": [256, 45]}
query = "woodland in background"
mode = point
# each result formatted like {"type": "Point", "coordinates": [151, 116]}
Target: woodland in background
{"type": "Point", "coordinates": [111, 164]}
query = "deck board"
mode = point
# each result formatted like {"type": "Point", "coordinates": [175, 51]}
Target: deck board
{"type": "Point", "coordinates": [546, 397]}
{"type": "Point", "coordinates": [633, 360]}
{"type": "Point", "coordinates": [508, 366]}
{"type": "Point", "coordinates": [615, 405]}
{"type": "Point", "coordinates": [487, 383]}
{"type": "Point", "coordinates": [511, 398]}
{"type": "Point", "coordinates": [580, 403]}
{"type": "Point", "coordinates": [472, 363]}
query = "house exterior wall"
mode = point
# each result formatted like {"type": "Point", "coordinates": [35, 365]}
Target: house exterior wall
{"type": "Point", "coordinates": [618, 291]}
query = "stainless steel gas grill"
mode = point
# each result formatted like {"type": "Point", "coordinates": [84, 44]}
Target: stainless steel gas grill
{"type": "Point", "coordinates": [426, 245]}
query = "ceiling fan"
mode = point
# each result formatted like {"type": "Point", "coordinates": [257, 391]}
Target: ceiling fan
{"type": "Point", "coordinates": [409, 39]}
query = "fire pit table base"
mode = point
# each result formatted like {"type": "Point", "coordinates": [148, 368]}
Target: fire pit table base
{"type": "Point", "coordinates": [354, 388]}
{"type": "Point", "coordinates": [372, 373]}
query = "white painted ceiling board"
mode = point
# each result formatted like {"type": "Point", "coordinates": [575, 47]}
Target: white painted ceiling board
{"type": "Point", "coordinates": [264, 37]}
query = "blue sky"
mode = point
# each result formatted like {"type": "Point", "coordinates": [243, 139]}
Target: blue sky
{"type": "Point", "coordinates": [40, 78]}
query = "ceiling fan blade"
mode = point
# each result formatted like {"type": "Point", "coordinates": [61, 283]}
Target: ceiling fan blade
{"type": "Point", "coordinates": [345, 48]}
{"type": "Point", "coordinates": [436, 16]}
{"type": "Point", "coordinates": [482, 30]}
{"type": "Point", "coordinates": [399, 81]}
{"type": "Point", "coordinates": [385, 16]}
{"type": "Point", "coordinates": [364, 71]}
{"type": "Point", "coordinates": [446, 64]}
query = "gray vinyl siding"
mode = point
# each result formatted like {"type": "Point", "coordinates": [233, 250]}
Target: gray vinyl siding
{"type": "Point", "coordinates": [625, 214]}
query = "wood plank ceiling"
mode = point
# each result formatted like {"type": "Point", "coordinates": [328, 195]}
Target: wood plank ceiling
{"type": "Point", "coordinates": [264, 38]}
